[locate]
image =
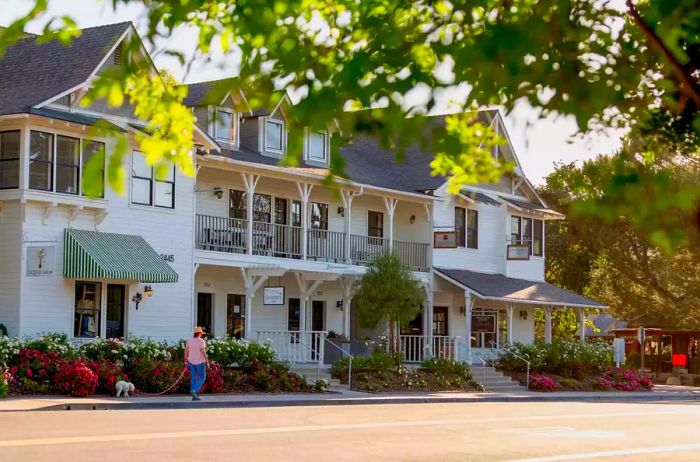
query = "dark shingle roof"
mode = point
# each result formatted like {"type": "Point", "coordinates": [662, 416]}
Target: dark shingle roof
{"type": "Point", "coordinates": [31, 72]}
{"type": "Point", "coordinates": [480, 197]}
{"type": "Point", "coordinates": [524, 204]}
{"type": "Point", "coordinates": [367, 162]}
{"type": "Point", "coordinates": [498, 286]}
{"type": "Point", "coordinates": [211, 92]}
{"type": "Point", "coordinates": [74, 117]}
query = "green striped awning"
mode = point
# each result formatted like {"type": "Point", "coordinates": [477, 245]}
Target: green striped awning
{"type": "Point", "coordinates": [95, 255]}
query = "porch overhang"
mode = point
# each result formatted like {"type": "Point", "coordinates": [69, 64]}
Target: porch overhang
{"type": "Point", "coordinates": [498, 287]}
{"type": "Point", "coordinates": [96, 255]}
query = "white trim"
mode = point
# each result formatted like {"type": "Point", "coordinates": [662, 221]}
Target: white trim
{"type": "Point", "coordinates": [283, 136]}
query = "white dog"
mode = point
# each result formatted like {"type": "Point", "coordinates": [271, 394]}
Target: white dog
{"type": "Point", "coordinates": [124, 388]}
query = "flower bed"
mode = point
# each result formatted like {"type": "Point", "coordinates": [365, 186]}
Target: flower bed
{"type": "Point", "coordinates": [380, 372]}
{"type": "Point", "coordinates": [612, 379]}
{"type": "Point", "coordinates": [51, 364]}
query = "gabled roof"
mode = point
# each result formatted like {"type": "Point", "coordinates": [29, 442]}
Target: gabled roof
{"type": "Point", "coordinates": [501, 288]}
{"type": "Point", "coordinates": [33, 72]}
{"type": "Point", "coordinates": [212, 92]}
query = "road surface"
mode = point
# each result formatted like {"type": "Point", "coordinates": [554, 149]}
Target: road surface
{"type": "Point", "coordinates": [416, 432]}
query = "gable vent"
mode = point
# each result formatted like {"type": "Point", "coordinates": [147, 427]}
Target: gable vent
{"type": "Point", "coordinates": [118, 55]}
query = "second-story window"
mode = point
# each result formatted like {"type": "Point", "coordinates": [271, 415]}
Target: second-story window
{"type": "Point", "coordinates": [296, 213]}
{"type": "Point", "coordinates": [375, 224]}
{"type": "Point", "coordinates": [262, 208]}
{"type": "Point", "coordinates": [319, 216]}
{"type": "Point", "coordinates": [317, 146]}
{"type": "Point", "coordinates": [93, 169]}
{"type": "Point", "coordinates": [41, 161]}
{"type": "Point", "coordinates": [67, 164]}
{"type": "Point", "coordinates": [472, 229]}
{"type": "Point", "coordinates": [237, 204]}
{"type": "Point", "coordinates": [460, 225]}
{"type": "Point", "coordinates": [147, 188]}
{"type": "Point", "coordinates": [529, 232]}
{"type": "Point", "coordinates": [224, 125]}
{"type": "Point", "coordinates": [274, 135]}
{"type": "Point", "coordinates": [9, 159]}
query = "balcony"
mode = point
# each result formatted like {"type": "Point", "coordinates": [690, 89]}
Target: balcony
{"type": "Point", "coordinates": [222, 234]}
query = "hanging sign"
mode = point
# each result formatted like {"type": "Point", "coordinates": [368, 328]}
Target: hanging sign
{"type": "Point", "coordinates": [273, 296]}
{"type": "Point", "coordinates": [484, 323]}
{"type": "Point", "coordinates": [518, 252]}
{"type": "Point", "coordinates": [41, 260]}
{"type": "Point", "coordinates": [444, 239]}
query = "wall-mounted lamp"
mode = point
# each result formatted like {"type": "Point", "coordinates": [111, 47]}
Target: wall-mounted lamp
{"type": "Point", "coordinates": [341, 211]}
{"type": "Point", "coordinates": [218, 192]}
{"type": "Point", "coordinates": [148, 291]}
{"type": "Point", "coordinates": [412, 219]}
{"type": "Point", "coordinates": [137, 299]}
{"type": "Point", "coordinates": [339, 305]}
{"type": "Point", "coordinates": [523, 315]}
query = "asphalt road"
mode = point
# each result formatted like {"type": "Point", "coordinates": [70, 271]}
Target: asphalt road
{"type": "Point", "coordinates": [460, 432]}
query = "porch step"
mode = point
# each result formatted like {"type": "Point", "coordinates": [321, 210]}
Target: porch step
{"type": "Point", "coordinates": [495, 381]}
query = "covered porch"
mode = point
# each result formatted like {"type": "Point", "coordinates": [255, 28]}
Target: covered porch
{"type": "Point", "coordinates": [474, 315]}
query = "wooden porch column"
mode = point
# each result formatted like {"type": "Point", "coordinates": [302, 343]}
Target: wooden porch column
{"type": "Point", "coordinates": [468, 309]}
{"type": "Point", "coordinates": [250, 181]}
{"type": "Point", "coordinates": [547, 324]}
{"type": "Point", "coordinates": [347, 283]}
{"type": "Point", "coordinates": [251, 283]}
{"type": "Point", "coordinates": [304, 193]}
{"type": "Point", "coordinates": [347, 197]}
{"type": "Point", "coordinates": [390, 205]}
{"type": "Point", "coordinates": [582, 323]}
{"type": "Point", "coordinates": [428, 319]}
{"type": "Point", "coordinates": [509, 313]}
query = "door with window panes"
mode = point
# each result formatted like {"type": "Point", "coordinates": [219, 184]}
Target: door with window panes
{"type": "Point", "coordinates": [235, 316]}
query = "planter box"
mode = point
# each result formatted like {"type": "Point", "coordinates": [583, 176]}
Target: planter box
{"type": "Point", "coordinates": [332, 355]}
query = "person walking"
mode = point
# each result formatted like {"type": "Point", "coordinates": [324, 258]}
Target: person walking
{"type": "Point", "coordinates": [197, 362]}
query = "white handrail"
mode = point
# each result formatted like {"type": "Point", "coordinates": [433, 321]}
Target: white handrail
{"type": "Point", "coordinates": [350, 356]}
{"type": "Point", "coordinates": [517, 356]}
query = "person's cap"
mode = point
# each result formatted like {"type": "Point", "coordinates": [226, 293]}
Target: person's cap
{"type": "Point", "coordinates": [198, 330]}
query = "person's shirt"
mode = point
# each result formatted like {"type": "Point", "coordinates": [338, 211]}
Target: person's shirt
{"type": "Point", "coordinates": [196, 347]}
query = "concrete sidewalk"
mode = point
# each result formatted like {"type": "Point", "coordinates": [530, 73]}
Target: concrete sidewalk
{"type": "Point", "coordinates": [338, 396]}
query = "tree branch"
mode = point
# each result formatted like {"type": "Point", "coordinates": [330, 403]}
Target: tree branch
{"type": "Point", "coordinates": [688, 85]}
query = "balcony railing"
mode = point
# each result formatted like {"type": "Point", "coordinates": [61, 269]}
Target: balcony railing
{"type": "Point", "coordinates": [221, 234]}
{"type": "Point", "coordinates": [364, 249]}
{"type": "Point", "coordinates": [415, 348]}
{"type": "Point", "coordinates": [326, 245]}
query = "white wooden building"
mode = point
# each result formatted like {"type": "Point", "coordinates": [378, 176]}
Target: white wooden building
{"type": "Point", "coordinates": [248, 247]}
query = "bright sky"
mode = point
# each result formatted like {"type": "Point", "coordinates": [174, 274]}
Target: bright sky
{"type": "Point", "coordinates": [539, 143]}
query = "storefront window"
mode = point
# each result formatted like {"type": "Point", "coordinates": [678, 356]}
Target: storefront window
{"type": "Point", "coordinates": [483, 328]}
{"type": "Point", "coordinates": [87, 309]}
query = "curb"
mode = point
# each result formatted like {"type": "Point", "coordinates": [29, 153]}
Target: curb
{"type": "Point", "coordinates": [349, 401]}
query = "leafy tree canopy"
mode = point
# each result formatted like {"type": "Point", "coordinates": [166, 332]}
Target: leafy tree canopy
{"type": "Point", "coordinates": [606, 64]}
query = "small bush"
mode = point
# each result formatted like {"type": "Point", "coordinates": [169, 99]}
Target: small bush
{"type": "Point", "coordinates": [6, 380]}
{"type": "Point", "coordinates": [74, 377]}
{"type": "Point", "coordinates": [378, 361]}
{"type": "Point", "coordinates": [263, 381]}
{"type": "Point", "coordinates": [542, 383]}
{"type": "Point", "coordinates": [231, 353]}
{"type": "Point", "coordinates": [155, 375]}
{"type": "Point", "coordinates": [9, 349]}
{"type": "Point", "coordinates": [619, 379]}
{"type": "Point", "coordinates": [108, 374]}
{"type": "Point", "coordinates": [52, 343]}
{"type": "Point", "coordinates": [34, 370]}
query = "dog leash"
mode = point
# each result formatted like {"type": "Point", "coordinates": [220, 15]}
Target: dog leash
{"type": "Point", "coordinates": [184, 370]}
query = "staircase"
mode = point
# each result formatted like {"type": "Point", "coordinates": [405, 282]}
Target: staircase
{"type": "Point", "coordinates": [495, 381]}
{"type": "Point", "coordinates": [310, 371]}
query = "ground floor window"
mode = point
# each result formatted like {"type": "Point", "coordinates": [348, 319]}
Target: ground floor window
{"type": "Point", "coordinates": [235, 316]}
{"type": "Point", "coordinates": [87, 309]}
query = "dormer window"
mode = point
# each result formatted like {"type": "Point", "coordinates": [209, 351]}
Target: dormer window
{"type": "Point", "coordinates": [225, 125]}
{"type": "Point", "coordinates": [274, 135]}
{"type": "Point", "coordinates": [317, 147]}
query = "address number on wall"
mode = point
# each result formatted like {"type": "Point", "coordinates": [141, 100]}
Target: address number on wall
{"type": "Point", "coordinates": [170, 258]}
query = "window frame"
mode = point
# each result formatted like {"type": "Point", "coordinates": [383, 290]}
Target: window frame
{"type": "Point", "coordinates": [524, 239]}
{"type": "Point", "coordinates": [98, 310]}
{"type": "Point", "coordinates": [370, 228]}
{"type": "Point", "coordinates": [472, 224]}
{"type": "Point", "coordinates": [234, 124]}
{"type": "Point", "coordinates": [326, 138]}
{"type": "Point", "coordinates": [461, 230]}
{"type": "Point", "coordinates": [153, 181]}
{"type": "Point", "coordinates": [84, 142]}
{"type": "Point", "coordinates": [75, 167]}
{"type": "Point", "coordinates": [283, 143]}
{"type": "Point", "coordinates": [17, 160]}
{"type": "Point", "coordinates": [149, 179]}
{"type": "Point", "coordinates": [156, 181]}
{"type": "Point", "coordinates": [538, 237]}
{"type": "Point", "coordinates": [243, 201]}
{"type": "Point", "coordinates": [322, 207]}
{"type": "Point", "coordinates": [51, 163]}
{"type": "Point", "coordinates": [257, 212]}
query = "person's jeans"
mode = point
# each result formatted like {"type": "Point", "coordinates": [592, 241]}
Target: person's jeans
{"type": "Point", "coordinates": [198, 374]}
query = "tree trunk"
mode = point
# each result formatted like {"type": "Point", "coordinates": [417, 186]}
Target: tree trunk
{"type": "Point", "coordinates": [392, 343]}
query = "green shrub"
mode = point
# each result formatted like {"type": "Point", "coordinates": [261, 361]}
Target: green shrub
{"type": "Point", "coordinates": [568, 358]}
{"type": "Point", "coordinates": [9, 349]}
{"type": "Point", "coordinates": [232, 353]}
{"type": "Point", "coordinates": [263, 381]}
{"type": "Point", "coordinates": [51, 343]}
{"type": "Point", "coordinates": [378, 361]}
{"type": "Point", "coordinates": [3, 330]}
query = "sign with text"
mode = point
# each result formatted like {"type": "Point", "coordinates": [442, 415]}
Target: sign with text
{"type": "Point", "coordinates": [273, 296]}
{"type": "Point", "coordinates": [41, 260]}
{"type": "Point", "coordinates": [484, 323]}
{"type": "Point", "coordinates": [518, 252]}
{"type": "Point", "coordinates": [444, 239]}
